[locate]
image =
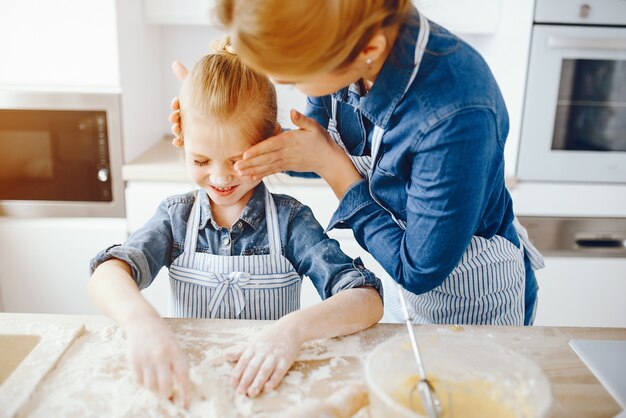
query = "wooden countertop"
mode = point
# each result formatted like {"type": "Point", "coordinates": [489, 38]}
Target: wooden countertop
{"type": "Point", "coordinates": [92, 379]}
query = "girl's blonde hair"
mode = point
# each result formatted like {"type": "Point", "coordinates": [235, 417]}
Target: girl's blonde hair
{"type": "Point", "coordinates": [220, 87]}
{"type": "Point", "coordinates": [305, 37]}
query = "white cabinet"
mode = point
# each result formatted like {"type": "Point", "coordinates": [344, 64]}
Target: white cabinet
{"type": "Point", "coordinates": [63, 43]}
{"type": "Point", "coordinates": [178, 12]}
{"type": "Point", "coordinates": [582, 292]}
{"type": "Point", "coordinates": [45, 262]}
{"type": "Point", "coordinates": [450, 13]}
{"type": "Point", "coordinates": [455, 14]}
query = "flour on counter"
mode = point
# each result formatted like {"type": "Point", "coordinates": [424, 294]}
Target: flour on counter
{"type": "Point", "coordinates": [93, 380]}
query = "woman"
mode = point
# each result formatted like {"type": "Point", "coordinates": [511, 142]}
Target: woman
{"type": "Point", "coordinates": [407, 125]}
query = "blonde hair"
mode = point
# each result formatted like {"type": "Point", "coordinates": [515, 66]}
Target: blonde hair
{"type": "Point", "coordinates": [305, 37]}
{"type": "Point", "coordinates": [222, 88]}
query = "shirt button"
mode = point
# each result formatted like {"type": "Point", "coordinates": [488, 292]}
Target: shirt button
{"type": "Point", "coordinates": [239, 224]}
{"type": "Point", "coordinates": [226, 242]}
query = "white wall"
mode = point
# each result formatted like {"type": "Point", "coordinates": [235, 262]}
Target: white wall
{"type": "Point", "coordinates": [59, 44]}
{"type": "Point", "coordinates": [141, 76]}
{"type": "Point", "coordinates": [188, 44]}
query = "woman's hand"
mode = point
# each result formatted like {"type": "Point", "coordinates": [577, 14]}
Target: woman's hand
{"type": "Point", "coordinates": [263, 362]}
{"type": "Point", "coordinates": [305, 149]}
{"type": "Point", "coordinates": [181, 72]}
{"type": "Point", "coordinates": [157, 360]}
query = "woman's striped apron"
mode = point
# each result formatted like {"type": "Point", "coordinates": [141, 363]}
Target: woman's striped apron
{"type": "Point", "coordinates": [244, 287]}
{"type": "Point", "coordinates": [487, 286]}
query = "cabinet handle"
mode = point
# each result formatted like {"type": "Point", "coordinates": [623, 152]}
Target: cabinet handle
{"type": "Point", "coordinates": [561, 42]}
{"type": "Point", "coordinates": [600, 243]}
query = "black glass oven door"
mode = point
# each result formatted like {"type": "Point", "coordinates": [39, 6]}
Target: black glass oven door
{"type": "Point", "coordinates": [591, 107]}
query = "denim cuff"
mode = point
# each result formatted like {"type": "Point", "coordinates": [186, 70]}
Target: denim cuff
{"type": "Point", "coordinates": [356, 198]}
{"type": "Point", "coordinates": [359, 277]}
{"type": "Point", "coordinates": [131, 256]}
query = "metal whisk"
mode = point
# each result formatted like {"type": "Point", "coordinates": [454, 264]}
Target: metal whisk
{"type": "Point", "coordinates": [427, 393]}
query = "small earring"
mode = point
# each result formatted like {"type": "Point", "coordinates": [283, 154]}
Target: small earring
{"type": "Point", "coordinates": [368, 61]}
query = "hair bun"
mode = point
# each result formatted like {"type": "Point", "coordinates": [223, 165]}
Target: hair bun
{"type": "Point", "coordinates": [223, 45]}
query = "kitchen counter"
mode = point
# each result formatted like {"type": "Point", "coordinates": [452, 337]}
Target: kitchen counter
{"type": "Point", "coordinates": [91, 378]}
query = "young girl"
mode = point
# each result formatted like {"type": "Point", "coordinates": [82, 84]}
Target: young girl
{"type": "Point", "coordinates": [233, 250]}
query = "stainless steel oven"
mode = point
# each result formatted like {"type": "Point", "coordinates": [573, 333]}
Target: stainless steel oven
{"type": "Point", "coordinates": [574, 122]}
{"type": "Point", "coordinates": [60, 154]}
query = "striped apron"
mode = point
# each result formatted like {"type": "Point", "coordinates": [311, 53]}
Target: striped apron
{"type": "Point", "coordinates": [233, 287]}
{"type": "Point", "coordinates": [487, 285]}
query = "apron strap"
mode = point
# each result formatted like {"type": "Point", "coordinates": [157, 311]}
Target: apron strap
{"type": "Point", "coordinates": [420, 47]}
{"type": "Point", "coordinates": [533, 254]}
{"type": "Point", "coordinates": [271, 219]}
{"type": "Point", "coordinates": [193, 225]}
{"type": "Point", "coordinates": [361, 163]}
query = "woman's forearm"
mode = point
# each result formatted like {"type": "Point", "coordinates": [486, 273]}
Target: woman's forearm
{"type": "Point", "coordinates": [338, 171]}
{"type": "Point", "coordinates": [115, 293]}
{"type": "Point", "coordinates": [347, 312]}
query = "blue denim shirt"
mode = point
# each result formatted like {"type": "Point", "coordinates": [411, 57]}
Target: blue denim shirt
{"type": "Point", "coordinates": [312, 253]}
{"type": "Point", "coordinates": [440, 167]}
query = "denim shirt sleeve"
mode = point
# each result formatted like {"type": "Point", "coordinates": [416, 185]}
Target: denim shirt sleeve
{"type": "Point", "coordinates": [319, 257]}
{"type": "Point", "coordinates": [446, 197]}
{"type": "Point", "coordinates": [146, 251]}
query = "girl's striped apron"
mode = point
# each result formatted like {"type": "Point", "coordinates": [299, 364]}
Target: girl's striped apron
{"type": "Point", "coordinates": [487, 286]}
{"type": "Point", "coordinates": [244, 287]}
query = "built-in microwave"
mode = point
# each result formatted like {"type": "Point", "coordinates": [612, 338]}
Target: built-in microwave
{"type": "Point", "coordinates": [574, 121]}
{"type": "Point", "coordinates": [60, 154]}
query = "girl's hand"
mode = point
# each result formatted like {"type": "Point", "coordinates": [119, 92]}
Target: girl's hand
{"type": "Point", "coordinates": [156, 360]}
{"type": "Point", "coordinates": [181, 72]}
{"type": "Point", "coordinates": [263, 363]}
{"type": "Point", "coordinates": [304, 149]}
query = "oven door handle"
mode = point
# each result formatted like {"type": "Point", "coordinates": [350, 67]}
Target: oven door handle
{"type": "Point", "coordinates": [567, 42]}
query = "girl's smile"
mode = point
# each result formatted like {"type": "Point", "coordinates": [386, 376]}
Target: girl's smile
{"type": "Point", "coordinates": [223, 191]}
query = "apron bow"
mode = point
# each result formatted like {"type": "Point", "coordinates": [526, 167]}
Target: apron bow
{"type": "Point", "coordinates": [228, 282]}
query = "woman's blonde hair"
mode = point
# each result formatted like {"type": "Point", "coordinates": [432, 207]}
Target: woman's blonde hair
{"type": "Point", "coordinates": [222, 88]}
{"type": "Point", "coordinates": [305, 37]}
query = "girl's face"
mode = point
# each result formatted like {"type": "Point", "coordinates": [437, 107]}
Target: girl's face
{"type": "Point", "coordinates": [211, 150]}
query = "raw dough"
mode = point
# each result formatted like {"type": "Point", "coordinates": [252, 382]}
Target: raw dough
{"type": "Point", "coordinates": [467, 398]}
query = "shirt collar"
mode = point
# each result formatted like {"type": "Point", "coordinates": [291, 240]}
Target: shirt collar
{"type": "Point", "coordinates": [253, 213]}
{"type": "Point", "coordinates": [392, 80]}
